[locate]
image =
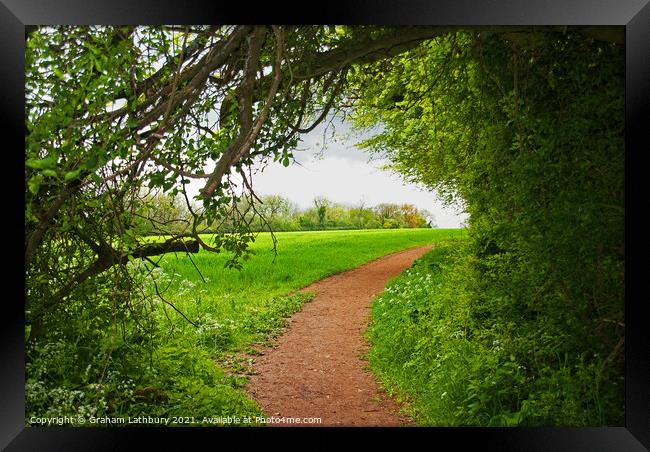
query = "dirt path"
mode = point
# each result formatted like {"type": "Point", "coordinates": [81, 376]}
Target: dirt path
{"type": "Point", "coordinates": [316, 368]}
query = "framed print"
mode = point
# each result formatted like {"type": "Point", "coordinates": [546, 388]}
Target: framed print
{"type": "Point", "coordinates": [229, 224]}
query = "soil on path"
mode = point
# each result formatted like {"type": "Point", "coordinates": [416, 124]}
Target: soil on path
{"type": "Point", "coordinates": [316, 368]}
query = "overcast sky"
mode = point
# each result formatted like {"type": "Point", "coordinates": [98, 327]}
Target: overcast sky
{"type": "Point", "coordinates": [344, 174]}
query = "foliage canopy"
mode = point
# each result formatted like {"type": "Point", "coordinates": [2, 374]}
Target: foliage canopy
{"type": "Point", "coordinates": [528, 130]}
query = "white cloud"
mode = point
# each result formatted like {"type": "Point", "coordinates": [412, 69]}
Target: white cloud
{"type": "Point", "coordinates": [344, 174]}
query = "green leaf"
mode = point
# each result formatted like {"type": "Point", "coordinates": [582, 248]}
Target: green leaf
{"type": "Point", "coordinates": [34, 184]}
{"type": "Point", "coordinates": [42, 164]}
{"type": "Point", "coordinates": [156, 180]}
{"type": "Point", "coordinates": [49, 172]}
{"type": "Point", "coordinates": [98, 65]}
{"type": "Point", "coordinates": [285, 161]}
{"type": "Point", "coordinates": [72, 175]}
{"type": "Point", "coordinates": [59, 74]}
{"type": "Point", "coordinates": [93, 162]}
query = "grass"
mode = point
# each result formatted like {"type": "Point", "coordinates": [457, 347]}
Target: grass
{"type": "Point", "coordinates": [418, 347]}
{"type": "Point", "coordinates": [250, 303]}
{"type": "Point", "coordinates": [435, 349]}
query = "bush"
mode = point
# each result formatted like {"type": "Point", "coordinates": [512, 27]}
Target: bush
{"type": "Point", "coordinates": [461, 356]}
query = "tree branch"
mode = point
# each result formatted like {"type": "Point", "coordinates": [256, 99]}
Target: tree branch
{"type": "Point", "coordinates": [248, 133]}
{"type": "Point", "coordinates": [108, 257]}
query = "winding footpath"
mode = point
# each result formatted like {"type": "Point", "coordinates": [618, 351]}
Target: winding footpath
{"type": "Point", "coordinates": [316, 368]}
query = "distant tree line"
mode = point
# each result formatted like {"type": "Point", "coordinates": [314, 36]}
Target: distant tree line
{"type": "Point", "coordinates": [166, 215]}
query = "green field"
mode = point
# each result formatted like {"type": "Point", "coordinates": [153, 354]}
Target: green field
{"type": "Point", "coordinates": [255, 295]}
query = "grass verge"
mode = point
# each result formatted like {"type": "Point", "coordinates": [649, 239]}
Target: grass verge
{"type": "Point", "coordinates": [458, 356]}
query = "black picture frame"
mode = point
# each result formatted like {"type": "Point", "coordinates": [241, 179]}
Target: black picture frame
{"type": "Point", "coordinates": [634, 15]}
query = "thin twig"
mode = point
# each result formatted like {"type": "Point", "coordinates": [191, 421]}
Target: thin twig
{"type": "Point", "coordinates": [172, 305]}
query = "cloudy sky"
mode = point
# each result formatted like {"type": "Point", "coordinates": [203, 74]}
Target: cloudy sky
{"type": "Point", "coordinates": [345, 174]}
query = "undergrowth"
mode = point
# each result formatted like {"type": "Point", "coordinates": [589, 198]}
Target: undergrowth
{"type": "Point", "coordinates": [459, 355]}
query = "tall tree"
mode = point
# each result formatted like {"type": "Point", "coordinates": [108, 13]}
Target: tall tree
{"type": "Point", "coordinates": [322, 204]}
